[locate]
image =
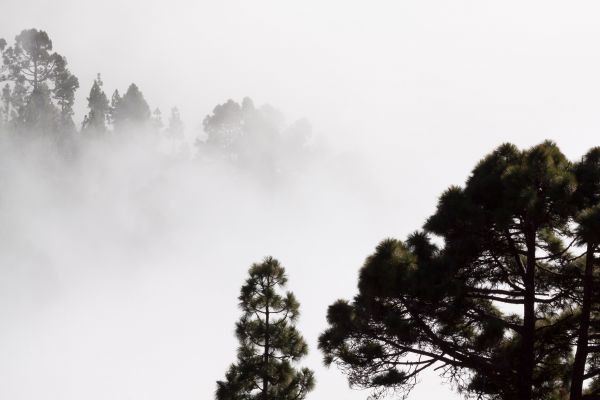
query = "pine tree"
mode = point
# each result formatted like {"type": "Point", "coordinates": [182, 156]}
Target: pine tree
{"type": "Point", "coordinates": [224, 126]}
{"type": "Point", "coordinates": [493, 308]}
{"type": "Point", "coordinates": [44, 82]}
{"type": "Point", "coordinates": [269, 341]}
{"type": "Point", "coordinates": [130, 111]}
{"type": "Point", "coordinates": [255, 138]}
{"type": "Point", "coordinates": [157, 122]}
{"type": "Point", "coordinates": [587, 233]}
{"type": "Point", "coordinates": [64, 94]}
{"type": "Point", "coordinates": [95, 120]}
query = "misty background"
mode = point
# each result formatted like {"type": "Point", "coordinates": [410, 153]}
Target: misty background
{"type": "Point", "coordinates": [119, 274]}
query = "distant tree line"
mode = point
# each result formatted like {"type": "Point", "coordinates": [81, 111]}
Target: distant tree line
{"type": "Point", "coordinates": [38, 94]}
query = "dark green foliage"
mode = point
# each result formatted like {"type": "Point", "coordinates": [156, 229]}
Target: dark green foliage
{"type": "Point", "coordinates": [587, 197]}
{"type": "Point", "coordinates": [587, 233]}
{"type": "Point", "coordinates": [269, 341]}
{"type": "Point", "coordinates": [495, 309]}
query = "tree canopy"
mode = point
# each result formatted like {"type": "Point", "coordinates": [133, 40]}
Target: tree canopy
{"type": "Point", "coordinates": [256, 137]}
{"type": "Point", "coordinates": [42, 89]}
{"type": "Point", "coordinates": [130, 111]}
{"type": "Point", "coordinates": [497, 309]}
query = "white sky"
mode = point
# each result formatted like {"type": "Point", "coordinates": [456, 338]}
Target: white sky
{"type": "Point", "coordinates": [421, 89]}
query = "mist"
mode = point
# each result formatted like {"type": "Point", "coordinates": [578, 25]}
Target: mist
{"type": "Point", "coordinates": [122, 263]}
{"type": "Point", "coordinates": [121, 259]}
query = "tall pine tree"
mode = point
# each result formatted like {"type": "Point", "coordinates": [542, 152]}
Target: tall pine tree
{"type": "Point", "coordinates": [269, 341]}
{"type": "Point", "coordinates": [42, 79]}
{"type": "Point", "coordinates": [490, 309]}
{"type": "Point", "coordinates": [586, 364]}
{"type": "Point", "coordinates": [95, 120]}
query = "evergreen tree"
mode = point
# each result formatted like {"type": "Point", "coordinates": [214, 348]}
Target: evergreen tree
{"type": "Point", "coordinates": [175, 128]}
{"type": "Point", "coordinates": [269, 341]}
{"type": "Point", "coordinates": [44, 82]}
{"type": "Point", "coordinates": [586, 364]}
{"type": "Point", "coordinates": [254, 137]}
{"type": "Point", "coordinates": [157, 122]}
{"type": "Point", "coordinates": [130, 111]}
{"type": "Point", "coordinates": [95, 120]}
{"type": "Point", "coordinates": [224, 126]}
{"type": "Point", "coordinates": [242, 129]}
{"type": "Point", "coordinates": [114, 107]}
{"type": "Point", "coordinates": [39, 114]}
{"type": "Point", "coordinates": [506, 249]}
{"type": "Point", "coordinates": [64, 93]}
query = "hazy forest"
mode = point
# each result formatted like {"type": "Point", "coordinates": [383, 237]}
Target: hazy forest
{"type": "Point", "coordinates": [495, 295]}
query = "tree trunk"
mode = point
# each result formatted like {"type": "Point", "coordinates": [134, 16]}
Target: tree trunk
{"type": "Point", "coordinates": [584, 325]}
{"type": "Point", "coordinates": [35, 75]}
{"type": "Point", "coordinates": [265, 388]}
{"type": "Point", "coordinates": [528, 338]}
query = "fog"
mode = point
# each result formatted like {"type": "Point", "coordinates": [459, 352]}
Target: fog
{"type": "Point", "coordinates": [120, 266]}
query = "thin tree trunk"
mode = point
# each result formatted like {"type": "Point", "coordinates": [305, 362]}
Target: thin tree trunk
{"type": "Point", "coordinates": [35, 75]}
{"type": "Point", "coordinates": [265, 388]}
{"type": "Point", "coordinates": [584, 325]}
